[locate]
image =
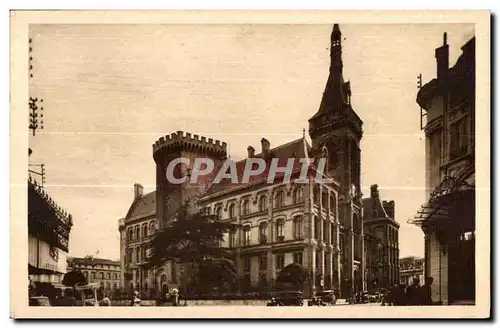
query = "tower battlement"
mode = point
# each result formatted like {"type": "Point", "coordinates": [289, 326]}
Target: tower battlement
{"type": "Point", "coordinates": [188, 141]}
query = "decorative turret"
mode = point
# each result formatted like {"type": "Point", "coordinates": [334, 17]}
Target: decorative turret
{"type": "Point", "coordinates": [186, 141]}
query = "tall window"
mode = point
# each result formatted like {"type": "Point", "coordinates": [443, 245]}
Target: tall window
{"type": "Point", "coordinates": [218, 212]}
{"type": "Point", "coordinates": [137, 254]}
{"type": "Point", "coordinates": [232, 211]}
{"type": "Point", "coordinates": [137, 233]}
{"type": "Point", "coordinates": [246, 235]}
{"type": "Point", "coordinates": [297, 227]}
{"type": "Point", "coordinates": [247, 264]}
{"type": "Point", "coordinates": [280, 236]}
{"type": "Point", "coordinates": [325, 231]}
{"type": "Point", "coordinates": [263, 232]}
{"type": "Point", "coordinates": [316, 195]}
{"type": "Point", "coordinates": [458, 138]}
{"type": "Point", "coordinates": [280, 262]}
{"type": "Point", "coordinates": [101, 275]}
{"type": "Point", "coordinates": [263, 262]}
{"type": "Point", "coordinates": [130, 232]}
{"type": "Point", "coordinates": [262, 203]}
{"type": "Point", "coordinates": [92, 275]}
{"type": "Point", "coordinates": [317, 227]}
{"type": "Point", "coordinates": [108, 276]}
{"type": "Point", "coordinates": [324, 200]}
{"type": "Point", "coordinates": [332, 234]}
{"type": "Point", "coordinates": [333, 203]}
{"type": "Point", "coordinates": [232, 238]}
{"type": "Point", "coordinates": [152, 228]}
{"type": "Point", "coordinates": [279, 198]}
{"type": "Point", "coordinates": [246, 207]}
{"type": "Point", "coordinates": [145, 230]}
{"type": "Point", "coordinates": [298, 195]}
{"type": "Point", "coordinates": [297, 258]}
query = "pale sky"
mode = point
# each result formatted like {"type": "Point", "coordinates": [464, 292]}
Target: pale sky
{"type": "Point", "coordinates": [110, 91]}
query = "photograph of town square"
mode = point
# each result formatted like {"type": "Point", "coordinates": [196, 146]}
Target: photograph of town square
{"type": "Point", "coordinates": [365, 195]}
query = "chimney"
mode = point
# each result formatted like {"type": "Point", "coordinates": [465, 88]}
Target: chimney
{"type": "Point", "coordinates": [251, 151]}
{"type": "Point", "coordinates": [374, 191]}
{"type": "Point", "coordinates": [138, 189]}
{"type": "Point", "coordinates": [389, 208]}
{"type": "Point", "coordinates": [266, 146]}
{"type": "Point", "coordinates": [442, 58]}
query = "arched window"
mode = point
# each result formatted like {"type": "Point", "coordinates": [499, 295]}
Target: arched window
{"type": "Point", "coordinates": [137, 232]}
{"type": "Point", "coordinates": [218, 212]}
{"type": "Point", "coordinates": [145, 230]}
{"type": "Point", "coordinates": [280, 234]}
{"type": "Point", "coordinates": [298, 195]}
{"type": "Point", "coordinates": [152, 228]}
{"type": "Point", "coordinates": [247, 235]}
{"type": "Point", "coordinates": [316, 195]}
{"type": "Point", "coordinates": [262, 203]}
{"type": "Point", "coordinates": [246, 207]}
{"type": "Point", "coordinates": [355, 223]}
{"type": "Point", "coordinates": [130, 233]}
{"type": "Point", "coordinates": [263, 232]}
{"type": "Point", "coordinates": [279, 198]}
{"type": "Point", "coordinates": [232, 238]}
{"type": "Point", "coordinates": [333, 203]}
{"type": "Point", "coordinates": [297, 227]}
{"type": "Point", "coordinates": [324, 200]}
{"type": "Point", "coordinates": [232, 211]}
{"type": "Point", "coordinates": [317, 227]}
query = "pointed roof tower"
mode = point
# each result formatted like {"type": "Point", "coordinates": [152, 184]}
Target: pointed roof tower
{"type": "Point", "coordinates": [336, 100]}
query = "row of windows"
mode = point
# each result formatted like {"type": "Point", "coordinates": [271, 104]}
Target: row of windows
{"type": "Point", "coordinates": [135, 254]}
{"type": "Point", "coordinates": [263, 232]}
{"type": "Point", "coordinates": [100, 275]}
{"type": "Point", "coordinates": [278, 202]}
{"type": "Point", "coordinates": [145, 229]}
{"type": "Point", "coordinates": [263, 265]}
{"type": "Point", "coordinates": [97, 266]}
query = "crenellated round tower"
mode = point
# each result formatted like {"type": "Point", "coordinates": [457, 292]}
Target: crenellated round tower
{"type": "Point", "coordinates": [170, 197]}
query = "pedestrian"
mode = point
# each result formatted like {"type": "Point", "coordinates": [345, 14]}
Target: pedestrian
{"type": "Point", "coordinates": [136, 301]}
{"type": "Point", "coordinates": [105, 301]}
{"type": "Point", "coordinates": [399, 295]}
{"type": "Point", "coordinates": [426, 292]}
{"type": "Point", "coordinates": [413, 293]}
{"type": "Point", "coordinates": [175, 297]}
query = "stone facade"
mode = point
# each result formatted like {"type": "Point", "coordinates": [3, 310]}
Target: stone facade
{"type": "Point", "coordinates": [96, 270]}
{"type": "Point", "coordinates": [381, 232]}
{"type": "Point", "coordinates": [320, 226]}
{"type": "Point", "coordinates": [448, 217]}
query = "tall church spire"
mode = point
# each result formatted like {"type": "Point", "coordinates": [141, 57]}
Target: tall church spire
{"type": "Point", "coordinates": [334, 96]}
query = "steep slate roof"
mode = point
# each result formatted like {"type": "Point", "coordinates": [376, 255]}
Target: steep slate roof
{"type": "Point", "coordinates": [142, 207]}
{"type": "Point", "coordinates": [370, 204]}
{"type": "Point", "coordinates": [294, 149]}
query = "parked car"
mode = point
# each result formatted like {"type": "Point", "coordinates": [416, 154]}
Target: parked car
{"type": "Point", "coordinates": [327, 296]}
{"type": "Point", "coordinates": [287, 298]}
{"type": "Point", "coordinates": [39, 301]}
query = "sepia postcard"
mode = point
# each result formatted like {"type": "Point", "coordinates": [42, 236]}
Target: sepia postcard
{"type": "Point", "coordinates": [273, 164]}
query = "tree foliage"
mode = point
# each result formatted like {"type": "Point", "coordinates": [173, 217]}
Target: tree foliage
{"type": "Point", "coordinates": [195, 239]}
{"type": "Point", "coordinates": [74, 277]}
{"type": "Point", "coordinates": [293, 274]}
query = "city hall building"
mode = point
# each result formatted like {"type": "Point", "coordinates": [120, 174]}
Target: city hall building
{"type": "Point", "coordinates": [318, 225]}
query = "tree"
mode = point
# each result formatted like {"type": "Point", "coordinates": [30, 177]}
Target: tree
{"type": "Point", "coordinates": [195, 239]}
{"type": "Point", "coordinates": [74, 277]}
{"type": "Point", "coordinates": [293, 274]}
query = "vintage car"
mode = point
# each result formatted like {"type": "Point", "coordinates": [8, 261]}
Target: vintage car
{"type": "Point", "coordinates": [39, 301]}
{"type": "Point", "coordinates": [326, 296]}
{"type": "Point", "coordinates": [286, 298]}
